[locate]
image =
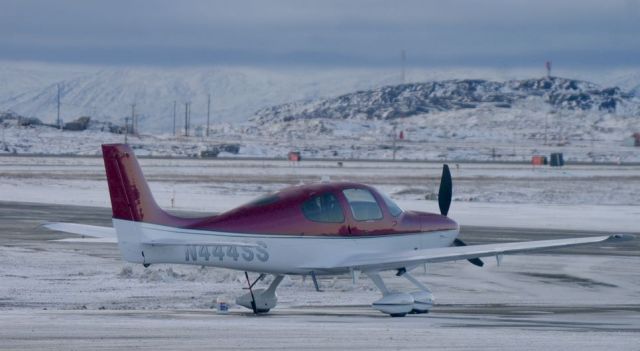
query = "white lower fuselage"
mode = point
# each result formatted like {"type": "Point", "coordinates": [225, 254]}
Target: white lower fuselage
{"type": "Point", "coordinates": [276, 254]}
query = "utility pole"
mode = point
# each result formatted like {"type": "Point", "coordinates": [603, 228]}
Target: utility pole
{"type": "Point", "coordinates": [189, 116]}
{"type": "Point", "coordinates": [126, 128]}
{"type": "Point", "coordinates": [186, 119]}
{"type": "Point", "coordinates": [394, 141]}
{"type": "Point", "coordinates": [133, 119]}
{"type": "Point", "coordinates": [174, 118]}
{"type": "Point", "coordinates": [546, 127]}
{"type": "Point", "coordinates": [59, 121]}
{"type": "Point", "coordinates": [208, 112]}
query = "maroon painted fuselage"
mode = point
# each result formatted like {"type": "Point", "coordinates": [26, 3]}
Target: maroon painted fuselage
{"type": "Point", "coordinates": [280, 213]}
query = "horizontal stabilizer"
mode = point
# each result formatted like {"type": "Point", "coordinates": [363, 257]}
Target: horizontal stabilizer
{"type": "Point", "coordinates": [89, 240]}
{"type": "Point", "coordinates": [92, 231]}
{"type": "Point", "coordinates": [97, 234]}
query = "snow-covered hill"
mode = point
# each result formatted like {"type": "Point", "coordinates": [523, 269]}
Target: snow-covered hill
{"type": "Point", "coordinates": [463, 119]}
{"type": "Point", "coordinates": [443, 114]}
{"type": "Point", "coordinates": [397, 101]}
{"type": "Point", "coordinates": [106, 93]}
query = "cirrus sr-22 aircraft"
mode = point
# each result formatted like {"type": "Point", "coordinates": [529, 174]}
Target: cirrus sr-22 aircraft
{"type": "Point", "coordinates": [313, 229]}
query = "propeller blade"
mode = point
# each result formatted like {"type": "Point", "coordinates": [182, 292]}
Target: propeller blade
{"type": "Point", "coordinates": [475, 261]}
{"type": "Point", "coordinates": [446, 191]}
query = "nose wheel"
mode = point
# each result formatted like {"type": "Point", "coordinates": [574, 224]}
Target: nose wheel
{"type": "Point", "coordinates": [423, 298]}
{"type": "Point", "coordinates": [398, 304]}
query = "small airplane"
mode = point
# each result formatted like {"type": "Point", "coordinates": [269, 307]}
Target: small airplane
{"type": "Point", "coordinates": [309, 230]}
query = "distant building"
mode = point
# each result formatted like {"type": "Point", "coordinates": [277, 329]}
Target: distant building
{"type": "Point", "coordinates": [294, 156]}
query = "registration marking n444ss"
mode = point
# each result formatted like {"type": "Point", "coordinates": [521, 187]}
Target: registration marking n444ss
{"type": "Point", "coordinates": [195, 253]}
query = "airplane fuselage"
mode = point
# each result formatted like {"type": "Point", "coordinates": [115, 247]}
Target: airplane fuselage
{"type": "Point", "coordinates": [277, 254]}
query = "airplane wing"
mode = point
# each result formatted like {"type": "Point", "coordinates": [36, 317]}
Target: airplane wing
{"type": "Point", "coordinates": [98, 234]}
{"type": "Point", "coordinates": [383, 261]}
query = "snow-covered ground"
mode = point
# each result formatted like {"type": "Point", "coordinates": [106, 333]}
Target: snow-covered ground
{"type": "Point", "coordinates": [574, 197]}
{"type": "Point", "coordinates": [441, 136]}
{"type": "Point", "coordinates": [72, 277]}
{"type": "Point", "coordinates": [82, 295]}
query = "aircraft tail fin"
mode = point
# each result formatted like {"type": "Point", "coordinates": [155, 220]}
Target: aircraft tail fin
{"type": "Point", "coordinates": [131, 197]}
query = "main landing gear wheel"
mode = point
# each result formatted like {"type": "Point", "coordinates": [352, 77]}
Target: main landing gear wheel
{"type": "Point", "coordinates": [260, 300]}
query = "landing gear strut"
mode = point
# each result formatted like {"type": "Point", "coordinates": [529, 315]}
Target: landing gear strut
{"type": "Point", "coordinates": [423, 298]}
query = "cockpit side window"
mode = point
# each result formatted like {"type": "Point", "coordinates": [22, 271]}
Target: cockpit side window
{"type": "Point", "coordinates": [323, 208]}
{"type": "Point", "coordinates": [364, 206]}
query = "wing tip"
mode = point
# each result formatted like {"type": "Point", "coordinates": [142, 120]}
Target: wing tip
{"type": "Point", "coordinates": [621, 237]}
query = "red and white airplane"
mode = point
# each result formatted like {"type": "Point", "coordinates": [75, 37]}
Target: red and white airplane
{"type": "Point", "coordinates": [314, 229]}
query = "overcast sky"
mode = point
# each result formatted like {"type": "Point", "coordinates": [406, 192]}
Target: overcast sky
{"type": "Point", "coordinates": [497, 33]}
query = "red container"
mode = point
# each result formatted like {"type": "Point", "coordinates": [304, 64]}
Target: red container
{"type": "Point", "coordinates": [538, 160]}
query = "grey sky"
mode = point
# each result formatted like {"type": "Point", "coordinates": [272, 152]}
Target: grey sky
{"type": "Point", "coordinates": [322, 33]}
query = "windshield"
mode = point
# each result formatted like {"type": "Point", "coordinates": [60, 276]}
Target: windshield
{"type": "Point", "coordinates": [363, 205]}
{"type": "Point", "coordinates": [394, 209]}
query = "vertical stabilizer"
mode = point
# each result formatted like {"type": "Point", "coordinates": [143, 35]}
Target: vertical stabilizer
{"type": "Point", "coordinates": [131, 197]}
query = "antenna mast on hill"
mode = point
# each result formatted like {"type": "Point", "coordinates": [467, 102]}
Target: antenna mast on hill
{"type": "Point", "coordinates": [403, 56]}
{"type": "Point", "coordinates": [547, 65]}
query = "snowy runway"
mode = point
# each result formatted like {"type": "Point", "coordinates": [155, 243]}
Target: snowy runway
{"type": "Point", "coordinates": [61, 295]}
{"type": "Point", "coordinates": [82, 296]}
{"type": "Point", "coordinates": [320, 328]}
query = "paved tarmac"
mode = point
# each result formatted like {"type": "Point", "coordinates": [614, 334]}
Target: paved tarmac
{"type": "Point", "coordinates": [456, 327]}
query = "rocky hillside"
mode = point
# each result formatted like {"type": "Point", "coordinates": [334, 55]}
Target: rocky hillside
{"type": "Point", "coordinates": [398, 101]}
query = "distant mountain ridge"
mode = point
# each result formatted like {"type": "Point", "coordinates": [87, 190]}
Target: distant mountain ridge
{"type": "Point", "coordinates": [406, 100]}
{"type": "Point", "coordinates": [107, 94]}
